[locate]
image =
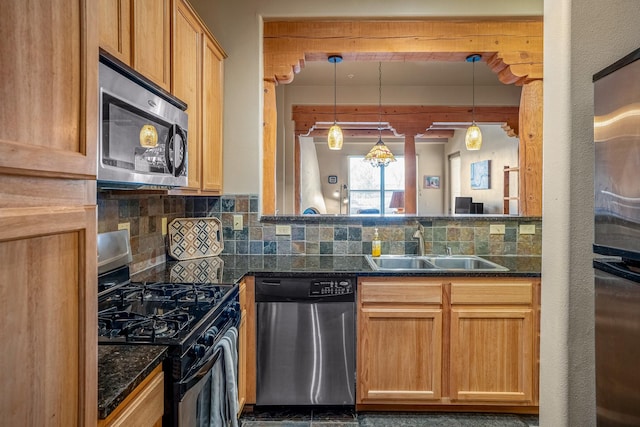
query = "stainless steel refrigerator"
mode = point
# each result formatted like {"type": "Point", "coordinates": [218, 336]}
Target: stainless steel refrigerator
{"type": "Point", "coordinates": [617, 236]}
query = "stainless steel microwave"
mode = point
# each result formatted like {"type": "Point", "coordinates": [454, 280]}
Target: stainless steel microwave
{"type": "Point", "coordinates": [143, 131]}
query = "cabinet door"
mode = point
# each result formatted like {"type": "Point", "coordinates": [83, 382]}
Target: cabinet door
{"type": "Point", "coordinates": [492, 354]}
{"type": "Point", "coordinates": [49, 88]}
{"type": "Point", "coordinates": [48, 302]}
{"type": "Point", "coordinates": [187, 80]}
{"type": "Point", "coordinates": [151, 41]}
{"type": "Point", "coordinates": [212, 117]}
{"type": "Point", "coordinates": [399, 355]}
{"type": "Point", "coordinates": [115, 28]}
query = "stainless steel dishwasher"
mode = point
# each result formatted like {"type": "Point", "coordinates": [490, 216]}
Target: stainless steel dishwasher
{"type": "Point", "coordinates": [305, 341]}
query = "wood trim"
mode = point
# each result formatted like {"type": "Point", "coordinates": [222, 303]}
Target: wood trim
{"type": "Point", "coordinates": [251, 340]}
{"type": "Point", "coordinates": [269, 134]}
{"type": "Point", "coordinates": [458, 407]}
{"type": "Point", "coordinates": [410, 174]}
{"type": "Point", "coordinates": [513, 46]}
{"type": "Point", "coordinates": [531, 133]}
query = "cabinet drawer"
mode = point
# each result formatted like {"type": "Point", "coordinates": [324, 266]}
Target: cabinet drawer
{"type": "Point", "coordinates": [417, 291]}
{"type": "Point", "coordinates": [143, 407]}
{"type": "Point", "coordinates": [492, 292]}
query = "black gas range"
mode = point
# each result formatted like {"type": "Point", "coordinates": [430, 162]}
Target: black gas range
{"type": "Point", "coordinates": [189, 318]}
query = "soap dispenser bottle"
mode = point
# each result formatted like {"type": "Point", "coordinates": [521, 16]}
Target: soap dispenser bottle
{"type": "Point", "coordinates": [376, 244]}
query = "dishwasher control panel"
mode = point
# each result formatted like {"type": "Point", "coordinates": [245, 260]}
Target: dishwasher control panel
{"type": "Point", "coordinates": [330, 287]}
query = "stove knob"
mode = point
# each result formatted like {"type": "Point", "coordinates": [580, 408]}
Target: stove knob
{"type": "Point", "coordinates": [198, 350]}
{"type": "Point", "coordinates": [208, 338]}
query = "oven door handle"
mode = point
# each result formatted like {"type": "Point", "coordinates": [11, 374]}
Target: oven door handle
{"type": "Point", "coordinates": [204, 370]}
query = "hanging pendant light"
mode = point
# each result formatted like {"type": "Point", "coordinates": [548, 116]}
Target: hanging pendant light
{"type": "Point", "coordinates": [473, 138]}
{"type": "Point", "coordinates": [379, 155]}
{"type": "Point", "coordinates": [335, 133]}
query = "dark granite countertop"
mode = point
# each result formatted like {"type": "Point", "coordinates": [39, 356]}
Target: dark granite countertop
{"type": "Point", "coordinates": [234, 267]}
{"type": "Point", "coordinates": [120, 369]}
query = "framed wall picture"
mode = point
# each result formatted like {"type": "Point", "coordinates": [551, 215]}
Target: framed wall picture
{"type": "Point", "coordinates": [480, 175]}
{"type": "Point", "coordinates": [431, 182]}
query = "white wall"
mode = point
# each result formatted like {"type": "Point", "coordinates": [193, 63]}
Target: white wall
{"type": "Point", "coordinates": [497, 147]}
{"type": "Point", "coordinates": [431, 160]}
{"type": "Point", "coordinates": [581, 37]}
{"type": "Point", "coordinates": [310, 187]}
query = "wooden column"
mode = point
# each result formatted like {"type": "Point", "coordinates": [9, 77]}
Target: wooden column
{"type": "Point", "coordinates": [410, 193]}
{"type": "Point", "coordinates": [530, 178]}
{"type": "Point", "coordinates": [269, 148]}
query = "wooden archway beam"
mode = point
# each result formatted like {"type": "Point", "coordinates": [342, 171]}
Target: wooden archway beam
{"type": "Point", "coordinates": [418, 118]}
{"type": "Point", "coordinates": [511, 45]}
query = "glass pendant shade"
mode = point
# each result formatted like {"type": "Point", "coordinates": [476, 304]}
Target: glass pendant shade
{"type": "Point", "coordinates": [335, 138]}
{"type": "Point", "coordinates": [379, 155]}
{"type": "Point", "coordinates": [473, 138]}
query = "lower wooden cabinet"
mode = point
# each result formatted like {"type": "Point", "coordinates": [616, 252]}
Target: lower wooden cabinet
{"type": "Point", "coordinates": [492, 341]}
{"type": "Point", "coordinates": [448, 341]}
{"type": "Point", "coordinates": [144, 407]}
{"type": "Point", "coordinates": [399, 341]}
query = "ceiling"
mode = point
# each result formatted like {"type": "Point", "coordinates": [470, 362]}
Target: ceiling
{"type": "Point", "coordinates": [419, 73]}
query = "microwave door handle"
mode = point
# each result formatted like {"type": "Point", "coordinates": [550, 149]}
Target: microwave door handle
{"type": "Point", "coordinates": [183, 149]}
{"type": "Point", "coordinates": [174, 132]}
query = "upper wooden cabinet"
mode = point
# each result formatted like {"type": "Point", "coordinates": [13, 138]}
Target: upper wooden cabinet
{"type": "Point", "coordinates": [138, 33]}
{"type": "Point", "coordinates": [187, 81]}
{"type": "Point", "coordinates": [48, 89]}
{"type": "Point", "coordinates": [197, 64]}
{"type": "Point", "coordinates": [115, 28]}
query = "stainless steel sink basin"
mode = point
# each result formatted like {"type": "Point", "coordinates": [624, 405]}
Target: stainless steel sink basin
{"type": "Point", "coordinates": [432, 262]}
{"type": "Point", "coordinates": [399, 262]}
{"type": "Point", "coordinates": [465, 262]}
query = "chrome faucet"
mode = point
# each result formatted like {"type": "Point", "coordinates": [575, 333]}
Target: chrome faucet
{"type": "Point", "coordinates": [448, 250]}
{"type": "Point", "coordinates": [418, 235]}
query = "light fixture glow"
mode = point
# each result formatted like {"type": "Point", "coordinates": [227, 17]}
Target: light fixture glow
{"type": "Point", "coordinates": [473, 137]}
{"type": "Point", "coordinates": [335, 139]}
{"type": "Point", "coordinates": [379, 155]}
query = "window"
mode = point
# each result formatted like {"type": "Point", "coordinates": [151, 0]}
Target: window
{"type": "Point", "coordinates": [364, 184]}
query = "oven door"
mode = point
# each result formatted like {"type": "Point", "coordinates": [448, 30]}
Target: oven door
{"type": "Point", "coordinates": [196, 406]}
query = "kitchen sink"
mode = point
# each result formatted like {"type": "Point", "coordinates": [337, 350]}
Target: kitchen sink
{"type": "Point", "coordinates": [399, 262]}
{"type": "Point", "coordinates": [464, 262]}
{"type": "Point", "coordinates": [432, 262]}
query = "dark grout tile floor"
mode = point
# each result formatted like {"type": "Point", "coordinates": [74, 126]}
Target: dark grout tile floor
{"type": "Point", "coordinates": [348, 418]}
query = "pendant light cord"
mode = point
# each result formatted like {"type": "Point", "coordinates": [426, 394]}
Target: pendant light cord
{"type": "Point", "coordinates": [380, 99]}
{"type": "Point", "coordinates": [335, 102]}
{"type": "Point", "coordinates": [473, 92]}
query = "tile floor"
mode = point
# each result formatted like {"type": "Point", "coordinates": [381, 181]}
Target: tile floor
{"type": "Point", "coordinates": [347, 418]}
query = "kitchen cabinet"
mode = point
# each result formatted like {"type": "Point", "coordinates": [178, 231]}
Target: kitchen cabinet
{"type": "Point", "coordinates": [493, 337]}
{"type": "Point", "coordinates": [143, 407]}
{"type": "Point", "coordinates": [48, 227]}
{"type": "Point", "coordinates": [448, 341]}
{"type": "Point", "coordinates": [197, 61]}
{"type": "Point", "coordinates": [399, 340]}
{"type": "Point", "coordinates": [137, 32]}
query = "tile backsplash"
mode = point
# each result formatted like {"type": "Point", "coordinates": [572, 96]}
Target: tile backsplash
{"type": "Point", "coordinates": [309, 234]}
